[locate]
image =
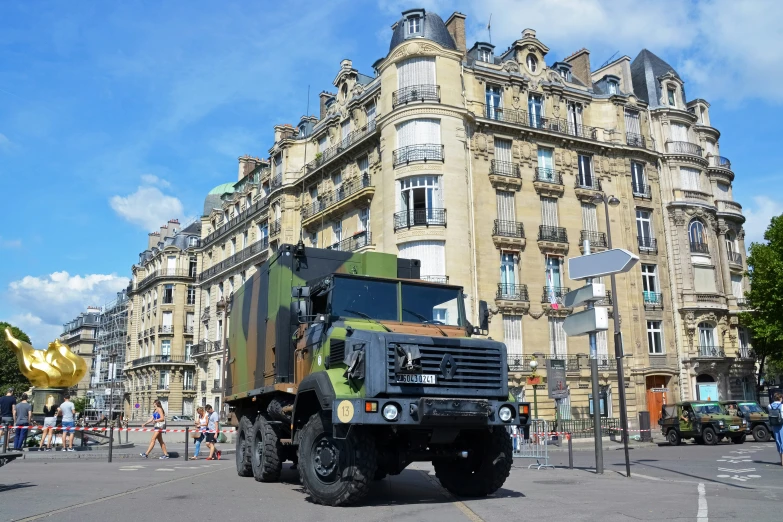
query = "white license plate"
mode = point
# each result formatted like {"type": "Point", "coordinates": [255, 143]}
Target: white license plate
{"type": "Point", "coordinates": [406, 378]}
{"type": "Point", "coordinates": [735, 427]}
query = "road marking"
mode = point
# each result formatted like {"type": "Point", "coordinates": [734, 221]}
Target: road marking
{"type": "Point", "coordinates": [164, 469]}
{"type": "Point", "coordinates": [129, 469]}
{"type": "Point", "coordinates": [117, 495]}
{"type": "Point", "coordinates": [469, 513]}
{"type": "Point", "coordinates": [701, 516]}
{"type": "Point", "coordinates": [746, 470]}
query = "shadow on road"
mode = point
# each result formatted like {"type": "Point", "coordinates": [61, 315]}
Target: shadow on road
{"type": "Point", "coordinates": [21, 485]}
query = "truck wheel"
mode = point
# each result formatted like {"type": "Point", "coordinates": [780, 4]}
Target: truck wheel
{"type": "Point", "coordinates": [710, 439]}
{"type": "Point", "coordinates": [380, 473]}
{"type": "Point", "coordinates": [760, 433]}
{"type": "Point", "coordinates": [335, 472]}
{"type": "Point", "coordinates": [673, 437]}
{"type": "Point", "coordinates": [243, 455]}
{"type": "Point", "coordinates": [739, 439]}
{"type": "Point", "coordinates": [490, 455]}
{"type": "Point", "coordinates": [265, 454]}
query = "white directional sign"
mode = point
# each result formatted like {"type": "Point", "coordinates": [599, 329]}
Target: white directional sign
{"type": "Point", "coordinates": [608, 262]}
{"type": "Point", "coordinates": [580, 296]}
{"type": "Point", "coordinates": [588, 321]}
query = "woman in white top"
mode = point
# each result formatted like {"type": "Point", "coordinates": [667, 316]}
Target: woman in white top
{"type": "Point", "coordinates": [201, 423]}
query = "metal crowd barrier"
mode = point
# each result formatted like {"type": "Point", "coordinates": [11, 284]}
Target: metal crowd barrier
{"type": "Point", "coordinates": [536, 447]}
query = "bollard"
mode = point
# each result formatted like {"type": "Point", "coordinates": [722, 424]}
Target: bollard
{"type": "Point", "coordinates": [111, 439]}
{"type": "Point", "coordinates": [187, 436]}
{"type": "Point", "coordinates": [5, 438]}
{"type": "Point", "coordinates": [570, 452]}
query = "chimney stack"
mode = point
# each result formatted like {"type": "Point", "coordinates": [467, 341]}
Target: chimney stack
{"type": "Point", "coordinates": [580, 66]}
{"type": "Point", "coordinates": [325, 96]}
{"type": "Point", "coordinates": [455, 25]}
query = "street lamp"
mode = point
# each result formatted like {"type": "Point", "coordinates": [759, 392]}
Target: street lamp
{"type": "Point", "coordinates": [533, 365]}
{"type": "Point", "coordinates": [618, 339]}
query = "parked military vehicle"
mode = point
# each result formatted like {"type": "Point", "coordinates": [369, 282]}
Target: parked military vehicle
{"type": "Point", "coordinates": [755, 415]}
{"type": "Point", "coordinates": [352, 367]}
{"type": "Point", "coordinates": [706, 422]}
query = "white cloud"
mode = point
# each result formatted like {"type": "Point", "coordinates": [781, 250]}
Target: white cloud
{"type": "Point", "coordinates": [148, 207]}
{"type": "Point", "coordinates": [151, 179]}
{"type": "Point", "coordinates": [10, 243]}
{"type": "Point", "coordinates": [758, 216]}
{"type": "Point", "coordinates": [44, 304]}
{"type": "Point", "coordinates": [5, 143]}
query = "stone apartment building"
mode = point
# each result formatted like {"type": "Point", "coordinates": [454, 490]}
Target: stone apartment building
{"type": "Point", "coordinates": [485, 165]}
{"type": "Point", "coordinates": [80, 335]}
{"type": "Point", "coordinates": [161, 323]}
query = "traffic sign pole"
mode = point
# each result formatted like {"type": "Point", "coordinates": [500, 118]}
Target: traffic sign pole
{"type": "Point", "coordinates": [599, 448]}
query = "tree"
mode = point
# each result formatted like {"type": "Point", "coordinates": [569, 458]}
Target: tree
{"type": "Point", "coordinates": [10, 375]}
{"type": "Point", "coordinates": [80, 404]}
{"type": "Point", "coordinates": [765, 297]}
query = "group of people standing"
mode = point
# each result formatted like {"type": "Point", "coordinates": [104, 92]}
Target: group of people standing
{"type": "Point", "coordinates": [207, 423]}
{"type": "Point", "coordinates": [20, 414]}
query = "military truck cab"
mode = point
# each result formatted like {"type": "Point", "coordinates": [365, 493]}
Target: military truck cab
{"type": "Point", "coordinates": [706, 422]}
{"type": "Point", "coordinates": [757, 419]}
{"type": "Point", "coordinates": [366, 369]}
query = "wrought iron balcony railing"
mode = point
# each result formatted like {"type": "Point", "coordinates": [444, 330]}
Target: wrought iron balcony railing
{"type": "Point", "coordinates": [354, 243]}
{"type": "Point", "coordinates": [720, 161]}
{"type": "Point", "coordinates": [635, 140]}
{"type": "Point", "coordinates": [328, 199]}
{"type": "Point", "coordinates": [160, 359]}
{"type": "Point", "coordinates": [416, 93]}
{"type": "Point", "coordinates": [506, 115]}
{"type": "Point", "coordinates": [641, 190]}
{"type": "Point", "coordinates": [275, 227]}
{"type": "Point", "coordinates": [652, 299]}
{"type": "Point", "coordinates": [511, 292]}
{"type": "Point", "coordinates": [420, 218]}
{"type": "Point", "coordinates": [699, 248]}
{"type": "Point", "coordinates": [239, 257]}
{"type": "Point", "coordinates": [547, 175]}
{"type": "Point", "coordinates": [424, 152]}
{"type": "Point", "coordinates": [243, 216]}
{"type": "Point", "coordinates": [554, 293]}
{"type": "Point", "coordinates": [735, 258]}
{"type": "Point", "coordinates": [683, 147]}
{"type": "Point", "coordinates": [557, 234]}
{"type": "Point", "coordinates": [597, 239]}
{"type": "Point", "coordinates": [353, 138]}
{"type": "Point", "coordinates": [166, 329]}
{"type": "Point", "coordinates": [588, 182]}
{"type": "Point", "coordinates": [508, 229]}
{"type": "Point", "coordinates": [711, 351]}
{"type": "Point", "coordinates": [504, 168]}
{"type": "Point", "coordinates": [525, 119]}
{"type": "Point", "coordinates": [164, 273]}
{"type": "Point", "coordinates": [648, 245]}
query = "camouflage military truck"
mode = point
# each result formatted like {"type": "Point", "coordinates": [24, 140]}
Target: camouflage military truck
{"type": "Point", "coordinates": [706, 422]}
{"type": "Point", "coordinates": [352, 368]}
{"type": "Point", "coordinates": [757, 418]}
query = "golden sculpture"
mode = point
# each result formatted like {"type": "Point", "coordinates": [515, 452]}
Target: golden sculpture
{"type": "Point", "coordinates": [55, 367]}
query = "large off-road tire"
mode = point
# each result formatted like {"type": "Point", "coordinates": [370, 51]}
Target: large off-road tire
{"type": "Point", "coordinates": [490, 454]}
{"type": "Point", "coordinates": [335, 472]}
{"type": "Point", "coordinates": [708, 434]}
{"type": "Point", "coordinates": [244, 447]}
{"type": "Point", "coordinates": [673, 436]}
{"type": "Point", "coordinates": [760, 433]}
{"type": "Point", "coordinates": [265, 452]}
{"type": "Point", "coordinates": [738, 439]}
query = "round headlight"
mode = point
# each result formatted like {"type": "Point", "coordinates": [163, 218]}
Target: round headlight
{"type": "Point", "coordinates": [720, 423]}
{"type": "Point", "coordinates": [505, 413]}
{"type": "Point", "coordinates": [391, 412]}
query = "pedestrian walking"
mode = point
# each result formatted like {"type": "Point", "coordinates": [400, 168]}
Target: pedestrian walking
{"type": "Point", "coordinates": [159, 423]}
{"type": "Point", "coordinates": [49, 424]}
{"type": "Point", "coordinates": [201, 422]}
{"type": "Point", "coordinates": [7, 412]}
{"type": "Point", "coordinates": [23, 416]}
{"type": "Point", "coordinates": [68, 411]}
{"type": "Point", "coordinates": [213, 426]}
{"type": "Point", "coordinates": [776, 422]}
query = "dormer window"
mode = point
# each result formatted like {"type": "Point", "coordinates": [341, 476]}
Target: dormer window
{"type": "Point", "coordinates": [612, 87]}
{"type": "Point", "coordinates": [565, 74]}
{"type": "Point", "coordinates": [672, 93]}
{"type": "Point", "coordinates": [532, 62]}
{"type": "Point", "coordinates": [302, 131]}
{"type": "Point", "coordinates": [413, 24]}
{"type": "Point", "coordinates": [485, 53]}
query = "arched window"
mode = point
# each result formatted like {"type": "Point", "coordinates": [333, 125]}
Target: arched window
{"type": "Point", "coordinates": [707, 345]}
{"type": "Point", "coordinates": [697, 233]}
{"type": "Point", "coordinates": [532, 62]}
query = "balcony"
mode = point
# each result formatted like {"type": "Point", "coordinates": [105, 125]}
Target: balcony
{"type": "Point", "coordinates": [731, 209]}
{"type": "Point", "coordinates": [415, 153]}
{"type": "Point", "coordinates": [505, 175]}
{"type": "Point", "coordinates": [521, 363]}
{"type": "Point", "coordinates": [735, 259]}
{"type": "Point", "coordinates": [205, 348]}
{"type": "Point", "coordinates": [275, 227]}
{"type": "Point", "coordinates": [416, 93]}
{"type": "Point", "coordinates": [696, 196]}
{"type": "Point", "coordinates": [597, 240]}
{"type": "Point", "coordinates": [743, 303]}
{"type": "Point", "coordinates": [711, 352]}
{"type": "Point", "coordinates": [652, 300]}
{"type": "Point", "coordinates": [661, 361]}
{"type": "Point", "coordinates": [548, 182]}
{"type": "Point", "coordinates": [428, 217]}
{"type": "Point", "coordinates": [635, 140]}
{"type": "Point", "coordinates": [512, 299]}
{"type": "Point", "coordinates": [440, 279]}
{"type": "Point", "coordinates": [259, 247]}
{"type": "Point", "coordinates": [683, 147]}
{"type": "Point", "coordinates": [188, 329]}
{"type": "Point", "coordinates": [554, 295]}
{"type": "Point", "coordinates": [552, 240]}
{"type": "Point", "coordinates": [532, 121]}
{"type": "Point", "coordinates": [165, 273]}
{"type": "Point", "coordinates": [700, 300]}
{"type": "Point", "coordinates": [348, 195]}
{"type": "Point", "coordinates": [586, 187]}
{"type": "Point", "coordinates": [216, 385]}
{"type": "Point", "coordinates": [351, 140]}
{"type": "Point", "coordinates": [354, 243]}
{"type": "Point", "coordinates": [242, 217]}
{"type": "Point", "coordinates": [719, 162]}
{"type": "Point", "coordinates": [166, 329]}
{"type": "Point", "coordinates": [189, 387]}
{"type": "Point", "coordinates": [160, 359]}
{"type": "Point", "coordinates": [512, 116]}
{"type": "Point", "coordinates": [700, 248]}
{"type": "Point", "coordinates": [508, 234]}
{"type": "Point", "coordinates": [641, 190]}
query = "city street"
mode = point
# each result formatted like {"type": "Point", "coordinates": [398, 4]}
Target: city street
{"type": "Point", "coordinates": [736, 481]}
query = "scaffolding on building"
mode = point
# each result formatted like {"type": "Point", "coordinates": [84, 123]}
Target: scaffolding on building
{"type": "Point", "coordinates": [110, 358]}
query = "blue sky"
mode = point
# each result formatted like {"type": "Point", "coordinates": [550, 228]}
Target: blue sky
{"type": "Point", "coordinates": [115, 117]}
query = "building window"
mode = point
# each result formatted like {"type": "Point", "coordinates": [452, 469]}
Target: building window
{"type": "Point", "coordinates": [220, 291]}
{"type": "Point", "coordinates": [654, 338]}
{"type": "Point", "coordinates": [565, 73]}
{"type": "Point", "coordinates": [314, 239]}
{"type": "Point", "coordinates": [575, 119]}
{"type": "Point", "coordinates": [650, 278]}
{"type": "Point", "coordinates": [432, 255]}
{"type": "Point", "coordinates": [263, 231]}
{"type": "Point", "coordinates": [535, 108]}
{"type": "Point", "coordinates": [337, 181]}
{"type": "Point", "coordinates": [672, 93]}
{"type": "Point", "coordinates": [638, 180]}
{"type": "Point", "coordinates": [744, 342]}
{"type": "Point", "coordinates": [371, 113]}
{"type": "Point", "coordinates": [420, 197]}
{"type": "Point", "coordinates": [612, 86]}
{"type": "Point", "coordinates": [163, 383]}
{"type": "Point", "coordinates": [493, 98]}
{"type": "Point", "coordinates": [532, 63]}
{"type": "Point", "coordinates": [322, 144]}
{"type": "Point", "coordinates": [337, 232]}
{"type": "Point", "coordinates": [165, 349]}
{"type": "Point", "coordinates": [193, 241]}
{"type": "Point", "coordinates": [549, 212]}
{"type": "Point", "coordinates": [690, 179]}
{"type": "Point", "coordinates": [736, 286]}
{"type": "Point", "coordinates": [168, 294]}
{"type": "Point", "coordinates": [414, 25]}
{"type": "Point", "coordinates": [191, 295]}
{"type": "Point", "coordinates": [188, 350]}
{"type": "Point", "coordinates": [586, 171]}
{"type": "Point", "coordinates": [644, 228]}
{"type": "Point", "coordinates": [697, 233]}
{"type": "Point", "coordinates": [485, 54]}
{"type": "Point", "coordinates": [707, 345]}
{"type": "Point", "coordinates": [245, 239]}
{"type": "Point", "coordinates": [206, 296]}
{"type": "Point", "coordinates": [512, 334]}
{"type": "Point", "coordinates": [508, 278]}
{"type": "Point", "coordinates": [364, 220]}
{"type": "Point", "coordinates": [230, 285]}
{"type": "Point", "coordinates": [345, 127]}
{"type": "Point", "coordinates": [558, 345]}
{"type": "Point", "coordinates": [233, 246]}
{"type": "Point", "coordinates": [242, 277]}
{"type": "Point", "coordinates": [192, 267]}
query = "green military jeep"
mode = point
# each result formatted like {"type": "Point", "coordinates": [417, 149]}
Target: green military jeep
{"type": "Point", "coordinates": [750, 411]}
{"type": "Point", "coordinates": [706, 422]}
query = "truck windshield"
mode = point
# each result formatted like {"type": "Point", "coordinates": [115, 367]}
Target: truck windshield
{"type": "Point", "coordinates": [355, 297]}
{"type": "Point", "coordinates": [708, 409]}
{"type": "Point", "coordinates": [751, 407]}
{"type": "Point", "coordinates": [426, 303]}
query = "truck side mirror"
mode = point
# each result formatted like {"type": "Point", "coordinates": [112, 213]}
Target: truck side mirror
{"type": "Point", "coordinates": [298, 292]}
{"type": "Point", "coordinates": [483, 316]}
{"type": "Point", "coordinates": [301, 310]}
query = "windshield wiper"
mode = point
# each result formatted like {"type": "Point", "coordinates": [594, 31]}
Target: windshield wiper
{"type": "Point", "coordinates": [362, 314]}
{"type": "Point", "coordinates": [424, 320]}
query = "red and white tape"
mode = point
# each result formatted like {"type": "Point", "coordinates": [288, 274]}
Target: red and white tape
{"type": "Point", "coordinates": [80, 428]}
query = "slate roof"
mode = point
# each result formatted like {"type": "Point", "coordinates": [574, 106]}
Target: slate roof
{"type": "Point", "coordinates": [433, 28]}
{"type": "Point", "coordinates": [646, 68]}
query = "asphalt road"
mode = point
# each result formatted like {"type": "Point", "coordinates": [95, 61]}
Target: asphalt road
{"type": "Point", "coordinates": [666, 484]}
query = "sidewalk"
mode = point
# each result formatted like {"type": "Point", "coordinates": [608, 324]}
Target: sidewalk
{"type": "Point", "coordinates": [130, 451]}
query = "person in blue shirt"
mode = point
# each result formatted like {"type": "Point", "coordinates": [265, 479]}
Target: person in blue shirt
{"type": "Point", "coordinates": [777, 431]}
{"type": "Point", "coordinates": [159, 423]}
